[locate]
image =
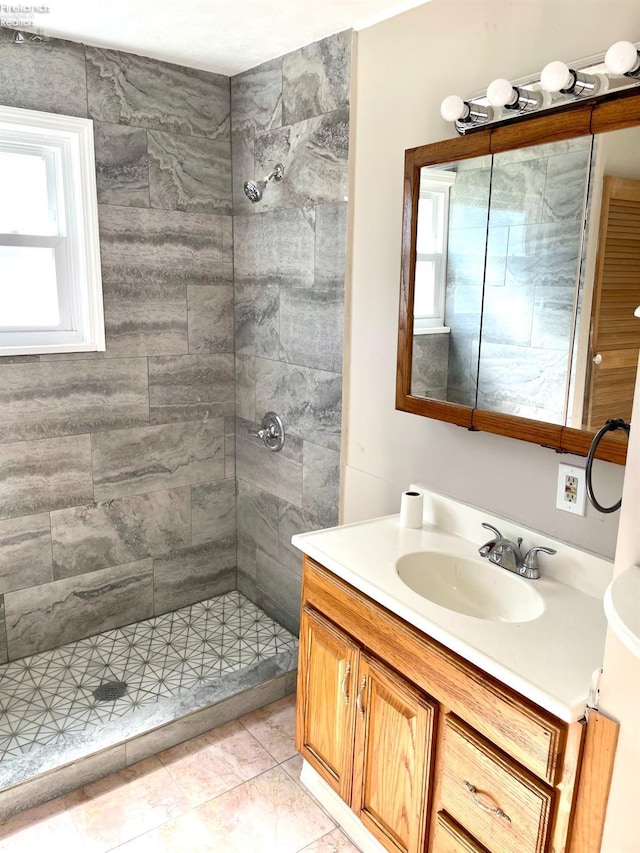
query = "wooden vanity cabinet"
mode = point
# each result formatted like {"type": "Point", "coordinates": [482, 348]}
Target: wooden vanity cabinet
{"type": "Point", "coordinates": [431, 753]}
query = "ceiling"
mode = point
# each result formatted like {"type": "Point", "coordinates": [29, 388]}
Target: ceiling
{"type": "Point", "coordinates": [225, 36]}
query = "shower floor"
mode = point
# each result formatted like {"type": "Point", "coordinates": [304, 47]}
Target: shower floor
{"type": "Point", "coordinates": [172, 666]}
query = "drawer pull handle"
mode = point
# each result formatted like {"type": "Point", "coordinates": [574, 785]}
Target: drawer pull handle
{"type": "Point", "coordinates": [485, 808]}
{"type": "Point", "coordinates": [343, 685]}
{"type": "Point", "coordinates": [363, 684]}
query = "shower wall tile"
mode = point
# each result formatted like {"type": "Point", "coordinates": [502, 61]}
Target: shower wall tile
{"type": "Point", "coordinates": [294, 519]}
{"type": "Point", "coordinates": [191, 387]}
{"type": "Point", "coordinates": [517, 191]}
{"type": "Point", "coordinates": [331, 246]}
{"type": "Point", "coordinates": [189, 173]}
{"type": "Point", "coordinates": [316, 78]}
{"type": "Point", "coordinates": [227, 248]}
{"type": "Point", "coordinates": [259, 514]}
{"type": "Point", "coordinates": [49, 77]}
{"type": "Point", "coordinates": [256, 98]}
{"type": "Point", "coordinates": [311, 324]}
{"type": "Point", "coordinates": [119, 531]}
{"type": "Point", "coordinates": [278, 592]}
{"type": "Point", "coordinates": [49, 399]}
{"type": "Point", "coordinates": [3, 633]}
{"type": "Point", "coordinates": [52, 614]}
{"type": "Point", "coordinates": [257, 320]}
{"type": "Point", "coordinates": [308, 401]}
{"type": "Point", "coordinates": [552, 318]}
{"type": "Point", "coordinates": [133, 90]}
{"type": "Point", "coordinates": [314, 154]}
{"type": "Point", "coordinates": [567, 176]}
{"type": "Point", "coordinates": [544, 255]}
{"type": "Point", "coordinates": [210, 319]}
{"type": "Point", "coordinates": [230, 447]}
{"type": "Point", "coordinates": [243, 169]}
{"type": "Point", "coordinates": [135, 461]}
{"type": "Point", "coordinates": [143, 319]}
{"type": "Point", "coordinates": [246, 387]}
{"type": "Point", "coordinates": [321, 483]}
{"type": "Point", "coordinates": [122, 165]}
{"type": "Point", "coordinates": [430, 366]}
{"type": "Point", "coordinates": [25, 552]}
{"type": "Point", "coordinates": [275, 248]}
{"type": "Point", "coordinates": [161, 246]}
{"type": "Point", "coordinates": [213, 512]}
{"type": "Point", "coordinates": [194, 574]}
{"type": "Point", "coordinates": [278, 473]}
{"type": "Point", "coordinates": [507, 315]}
{"type": "Point", "coordinates": [37, 476]}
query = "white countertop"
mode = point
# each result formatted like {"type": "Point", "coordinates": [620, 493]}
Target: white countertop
{"type": "Point", "coordinates": [550, 660]}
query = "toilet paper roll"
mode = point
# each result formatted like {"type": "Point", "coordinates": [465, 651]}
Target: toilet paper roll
{"type": "Point", "coordinates": [411, 509]}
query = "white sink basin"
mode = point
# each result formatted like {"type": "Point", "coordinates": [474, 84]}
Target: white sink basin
{"type": "Point", "coordinates": [622, 607]}
{"type": "Point", "coordinates": [473, 587]}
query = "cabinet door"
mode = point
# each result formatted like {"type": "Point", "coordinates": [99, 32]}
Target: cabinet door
{"type": "Point", "coordinates": [392, 764]}
{"type": "Point", "coordinates": [325, 718]}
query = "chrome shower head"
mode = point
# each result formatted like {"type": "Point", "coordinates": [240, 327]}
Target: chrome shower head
{"type": "Point", "coordinates": [254, 189]}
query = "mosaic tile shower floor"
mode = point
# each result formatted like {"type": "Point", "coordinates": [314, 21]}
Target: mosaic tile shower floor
{"type": "Point", "coordinates": [48, 699]}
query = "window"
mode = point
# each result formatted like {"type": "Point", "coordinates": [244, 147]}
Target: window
{"type": "Point", "coordinates": [431, 251]}
{"type": "Point", "coordinates": [50, 282]}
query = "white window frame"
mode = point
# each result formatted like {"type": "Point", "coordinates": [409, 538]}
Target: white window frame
{"type": "Point", "coordinates": [66, 142]}
{"type": "Point", "coordinates": [433, 182]}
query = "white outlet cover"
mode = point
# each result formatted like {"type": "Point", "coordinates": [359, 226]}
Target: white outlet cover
{"type": "Point", "coordinates": [578, 506]}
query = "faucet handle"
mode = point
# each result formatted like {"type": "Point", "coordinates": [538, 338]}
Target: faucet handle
{"type": "Point", "coordinates": [486, 549]}
{"type": "Point", "coordinates": [493, 529]}
{"type": "Point", "coordinates": [531, 561]}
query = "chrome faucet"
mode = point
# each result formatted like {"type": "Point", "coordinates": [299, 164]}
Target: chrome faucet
{"type": "Point", "coordinates": [507, 554]}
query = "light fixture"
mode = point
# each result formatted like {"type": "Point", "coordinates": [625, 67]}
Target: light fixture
{"type": "Point", "coordinates": [622, 60]}
{"type": "Point", "coordinates": [465, 113]}
{"type": "Point", "coordinates": [558, 77]}
{"type": "Point", "coordinates": [502, 93]}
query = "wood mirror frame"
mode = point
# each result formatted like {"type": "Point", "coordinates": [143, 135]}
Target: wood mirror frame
{"type": "Point", "coordinates": [615, 111]}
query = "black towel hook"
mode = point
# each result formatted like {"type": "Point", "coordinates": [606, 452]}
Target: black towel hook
{"type": "Point", "coordinates": [611, 425]}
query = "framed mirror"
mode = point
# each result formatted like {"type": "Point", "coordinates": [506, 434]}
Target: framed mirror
{"type": "Point", "coordinates": [521, 274]}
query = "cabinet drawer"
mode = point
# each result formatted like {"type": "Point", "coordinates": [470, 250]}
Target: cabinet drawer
{"type": "Point", "coordinates": [497, 801]}
{"type": "Point", "coordinates": [450, 837]}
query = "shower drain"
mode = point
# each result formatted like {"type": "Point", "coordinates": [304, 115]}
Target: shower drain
{"type": "Point", "coordinates": [110, 691]}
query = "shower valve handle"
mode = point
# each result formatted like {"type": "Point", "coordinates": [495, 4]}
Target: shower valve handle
{"type": "Point", "coordinates": [271, 432]}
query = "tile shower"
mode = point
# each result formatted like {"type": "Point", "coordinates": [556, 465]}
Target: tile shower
{"type": "Point", "coordinates": [120, 502]}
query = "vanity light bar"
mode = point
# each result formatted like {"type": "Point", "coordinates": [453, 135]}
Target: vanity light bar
{"type": "Point", "coordinates": [558, 84]}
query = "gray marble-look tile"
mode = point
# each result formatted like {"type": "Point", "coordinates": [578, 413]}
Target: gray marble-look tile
{"type": "Point", "coordinates": [256, 98]}
{"type": "Point", "coordinates": [227, 248]}
{"type": "Point", "coordinates": [136, 461]}
{"type": "Point", "coordinates": [463, 370]}
{"type": "Point", "coordinates": [321, 483]}
{"type": "Point", "coordinates": [278, 473]}
{"type": "Point", "coordinates": [463, 309]}
{"type": "Point", "coordinates": [194, 574]}
{"type": "Point", "coordinates": [191, 387]}
{"type": "Point", "coordinates": [230, 447]}
{"type": "Point", "coordinates": [49, 399]}
{"type": "Point", "coordinates": [316, 78]}
{"type": "Point", "coordinates": [294, 519]}
{"type": "Point", "coordinates": [128, 89]}
{"type": "Point", "coordinates": [122, 165]}
{"type": "Point", "coordinates": [56, 613]}
{"type": "Point", "coordinates": [430, 366]}
{"type": "Point", "coordinates": [37, 476]}
{"type": "Point", "coordinates": [314, 153]}
{"type": "Point", "coordinates": [25, 552]}
{"type": "Point", "coordinates": [275, 248]}
{"type": "Point", "coordinates": [119, 531]}
{"type": "Point", "coordinates": [517, 192]}
{"type": "Point", "coordinates": [552, 317]}
{"type": "Point", "coordinates": [311, 328]}
{"type": "Point", "coordinates": [143, 319]}
{"type": "Point", "coordinates": [567, 177]}
{"type": "Point", "coordinates": [259, 514]}
{"type": "Point", "coordinates": [469, 195]}
{"type": "Point", "coordinates": [3, 633]}
{"type": "Point", "coordinates": [49, 76]}
{"type": "Point", "coordinates": [189, 173]}
{"type": "Point", "coordinates": [210, 319]}
{"type": "Point", "coordinates": [308, 401]}
{"type": "Point", "coordinates": [257, 320]}
{"type": "Point", "coordinates": [278, 592]}
{"type": "Point", "coordinates": [242, 169]}
{"type": "Point", "coordinates": [331, 246]}
{"type": "Point", "coordinates": [213, 512]}
{"type": "Point", "coordinates": [161, 246]}
{"type": "Point", "coordinates": [507, 315]}
{"type": "Point", "coordinates": [19, 359]}
{"type": "Point", "coordinates": [246, 387]}
{"type": "Point", "coordinates": [544, 255]}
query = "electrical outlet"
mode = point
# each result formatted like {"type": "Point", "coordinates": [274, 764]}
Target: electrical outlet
{"type": "Point", "coordinates": [572, 490]}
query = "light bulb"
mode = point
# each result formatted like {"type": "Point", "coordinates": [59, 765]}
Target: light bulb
{"type": "Point", "coordinates": [621, 58]}
{"type": "Point", "coordinates": [501, 93]}
{"type": "Point", "coordinates": [555, 76]}
{"type": "Point", "coordinates": [453, 108]}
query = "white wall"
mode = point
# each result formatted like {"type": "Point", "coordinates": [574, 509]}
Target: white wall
{"type": "Point", "coordinates": [404, 67]}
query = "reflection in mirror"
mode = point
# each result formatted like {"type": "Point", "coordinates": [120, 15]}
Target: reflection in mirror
{"type": "Point", "coordinates": [453, 213]}
{"type": "Point", "coordinates": [533, 267]}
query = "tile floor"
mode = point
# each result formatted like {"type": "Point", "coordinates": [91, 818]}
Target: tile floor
{"type": "Point", "coordinates": [234, 788]}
